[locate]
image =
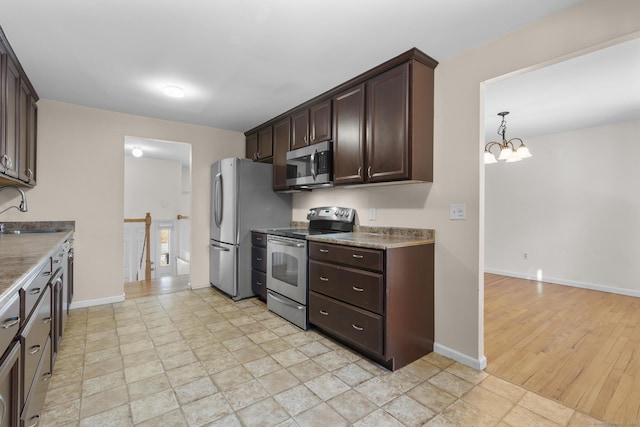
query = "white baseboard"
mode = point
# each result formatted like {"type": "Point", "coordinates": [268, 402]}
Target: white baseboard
{"type": "Point", "coordinates": [199, 286]}
{"type": "Point", "coordinates": [99, 301]}
{"type": "Point", "coordinates": [479, 364]}
{"type": "Point", "coordinates": [552, 280]}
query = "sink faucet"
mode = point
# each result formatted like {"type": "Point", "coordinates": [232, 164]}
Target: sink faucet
{"type": "Point", "coordinates": [23, 203]}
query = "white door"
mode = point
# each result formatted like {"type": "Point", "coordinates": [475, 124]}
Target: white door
{"type": "Point", "coordinates": [164, 242]}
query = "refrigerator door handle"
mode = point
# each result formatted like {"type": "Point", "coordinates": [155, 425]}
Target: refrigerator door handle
{"type": "Point", "coordinates": [219, 248]}
{"type": "Point", "coordinates": [217, 206]}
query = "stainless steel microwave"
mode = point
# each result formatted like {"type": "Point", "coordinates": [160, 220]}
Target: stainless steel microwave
{"type": "Point", "coordinates": [311, 166]}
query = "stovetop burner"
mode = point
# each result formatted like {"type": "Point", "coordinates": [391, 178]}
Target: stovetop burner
{"type": "Point", "coordinates": [322, 220]}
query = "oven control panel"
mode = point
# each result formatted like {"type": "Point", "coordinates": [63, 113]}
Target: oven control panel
{"type": "Point", "coordinates": [332, 213]}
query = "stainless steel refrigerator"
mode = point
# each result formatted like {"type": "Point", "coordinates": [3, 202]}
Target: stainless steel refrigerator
{"type": "Point", "coordinates": [242, 198]}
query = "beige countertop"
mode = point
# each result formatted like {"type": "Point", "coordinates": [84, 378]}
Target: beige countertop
{"type": "Point", "coordinates": [21, 255]}
{"type": "Point", "coordinates": [373, 237]}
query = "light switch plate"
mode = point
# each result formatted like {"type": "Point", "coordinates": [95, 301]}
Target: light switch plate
{"type": "Point", "coordinates": [458, 211]}
{"type": "Point", "coordinates": [373, 213]}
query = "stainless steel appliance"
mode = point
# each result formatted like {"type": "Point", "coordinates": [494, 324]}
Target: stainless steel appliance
{"type": "Point", "coordinates": [287, 278]}
{"type": "Point", "coordinates": [241, 198]}
{"type": "Point", "coordinates": [311, 166]}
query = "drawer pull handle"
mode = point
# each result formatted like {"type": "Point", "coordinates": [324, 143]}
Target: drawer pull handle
{"type": "Point", "coordinates": [357, 328]}
{"type": "Point", "coordinates": [324, 251]}
{"type": "Point", "coordinates": [35, 291]}
{"type": "Point", "coordinates": [324, 279]}
{"type": "Point", "coordinates": [33, 350]}
{"type": "Point", "coordinates": [357, 289]}
{"type": "Point", "coordinates": [259, 239]}
{"type": "Point", "coordinates": [324, 313]}
{"type": "Point", "coordinates": [358, 256]}
{"type": "Point", "coordinates": [258, 259]}
{"type": "Point", "coordinates": [36, 421]}
{"type": "Point", "coordinates": [46, 320]}
{"type": "Point", "coordinates": [46, 377]}
{"type": "Point", "coordinates": [12, 321]}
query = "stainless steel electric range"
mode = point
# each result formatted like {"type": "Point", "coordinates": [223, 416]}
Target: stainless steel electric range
{"type": "Point", "coordinates": [287, 278]}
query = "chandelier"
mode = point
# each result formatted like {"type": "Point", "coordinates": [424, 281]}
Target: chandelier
{"type": "Point", "coordinates": [508, 152]}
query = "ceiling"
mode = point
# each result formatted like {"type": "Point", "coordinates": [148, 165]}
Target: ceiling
{"type": "Point", "coordinates": [595, 89]}
{"type": "Point", "coordinates": [241, 62]}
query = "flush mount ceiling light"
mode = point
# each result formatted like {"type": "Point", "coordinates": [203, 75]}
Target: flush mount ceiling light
{"type": "Point", "coordinates": [174, 91]}
{"type": "Point", "coordinates": [508, 152]}
{"type": "Point", "coordinates": [136, 152]}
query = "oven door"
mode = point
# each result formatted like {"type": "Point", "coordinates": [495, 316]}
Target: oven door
{"type": "Point", "coordinates": [287, 267]}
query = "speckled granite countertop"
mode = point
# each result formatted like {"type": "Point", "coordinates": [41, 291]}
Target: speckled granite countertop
{"type": "Point", "coordinates": [372, 237]}
{"type": "Point", "coordinates": [22, 254]}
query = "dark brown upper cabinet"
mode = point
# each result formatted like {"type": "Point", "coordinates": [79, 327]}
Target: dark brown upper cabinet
{"type": "Point", "coordinates": [18, 120]}
{"type": "Point", "coordinates": [349, 136]}
{"type": "Point", "coordinates": [281, 144]}
{"type": "Point", "coordinates": [311, 125]}
{"type": "Point", "coordinates": [259, 145]}
{"type": "Point", "coordinates": [387, 139]}
{"type": "Point", "coordinates": [381, 123]}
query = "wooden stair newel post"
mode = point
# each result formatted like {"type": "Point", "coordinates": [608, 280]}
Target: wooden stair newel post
{"type": "Point", "coordinates": [147, 236]}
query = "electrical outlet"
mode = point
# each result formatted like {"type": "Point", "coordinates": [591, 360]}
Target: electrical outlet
{"type": "Point", "coordinates": [373, 214]}
{"type": "Point", "coordinates": [457, 211]}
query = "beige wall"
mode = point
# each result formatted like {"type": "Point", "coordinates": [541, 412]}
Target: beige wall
{"type": "Point", "coordinates": [81, 155]}
{"type": "Point", "coordinates": [458, 171]}
{"type": "Point", "coordinates": [81, 178]}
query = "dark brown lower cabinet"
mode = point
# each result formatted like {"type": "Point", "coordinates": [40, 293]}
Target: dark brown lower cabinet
{"type": "Point", "coordinates": [10, 387]}
{"type": "Point", "coordinates": [379, 302]}
{"type": "Point", "coordinates": [259, 264]}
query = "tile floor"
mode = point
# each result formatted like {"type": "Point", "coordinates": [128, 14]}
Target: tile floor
{"type": "Point", "coordinates": [195, 358]}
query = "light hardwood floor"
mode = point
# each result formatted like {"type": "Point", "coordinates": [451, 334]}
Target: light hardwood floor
{"type": "Point", "coordinates": [577, 346]}
{"type": "Point", "coordinates": [163, 285]}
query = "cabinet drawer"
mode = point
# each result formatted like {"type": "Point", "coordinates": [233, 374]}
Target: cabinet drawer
{"type": "Point", "coordinates": [370, 259]}
{"type": "Point", "coordinates": [34, 337]}
{"type": "Point", "coordinates": [259, 259]}
{"type": "Point", "coordinates": [31, 293]}
{"type": "Point", "coordinates": [259, 283]}
{"type": "Point", "coordinates": [9, 322]}
{"type": "Point", "coordinates": [31, 414]}
{"type": "Point", "coordinates": [362, 288]}
{"type": "Point", "coordinates": [351, 323]}
{"type": "Point", "coordinates": [259, 239]}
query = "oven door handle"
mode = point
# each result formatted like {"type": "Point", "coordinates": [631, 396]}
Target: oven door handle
{"type": "Point", "coordinates": [297, 306]}
{"type": "Point", "coordinates": [285, 243]}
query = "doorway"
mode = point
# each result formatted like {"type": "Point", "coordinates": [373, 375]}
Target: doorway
{"type": "Point", "coordinates": [554, 220]}
{"type": "Point", "coordinates": [157, 187]}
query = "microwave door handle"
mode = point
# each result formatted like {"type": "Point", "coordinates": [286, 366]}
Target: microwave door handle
{"type": "Point", "coordinates": [314, 172]}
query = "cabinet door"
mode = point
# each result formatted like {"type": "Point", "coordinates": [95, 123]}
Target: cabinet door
{"type": "Point", "coordinates": [320, 122]}
{"type": "Point", "coordinates": [387, 125]}
{"type": "Point", "coordinates": [281, 143]}
{"type": "Point", "coordinates": [9, 161]}
{"type": "Point", "coordinates": [348, 142]}
{"type": "Point", "coordinates": [24, 106]}
{"type": "Point", "coordinates": [265, 143]}
{"type": "Point", "coordinates": [300, 129]}
{"type": "Point", "coordinates": [252, 146]}
{"type": "Point", "coordinates": [32, 141]}
{"type": "Point", "coordinates": [10, 387]}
